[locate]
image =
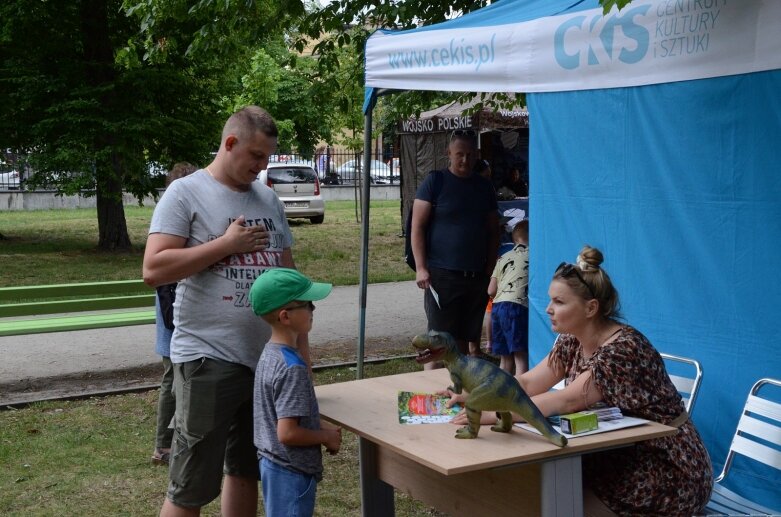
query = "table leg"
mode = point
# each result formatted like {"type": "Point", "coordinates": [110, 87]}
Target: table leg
{"type": "Point", "coordinates": [376, 495]}
{"type": "Point", "coordinates": [562, 488]}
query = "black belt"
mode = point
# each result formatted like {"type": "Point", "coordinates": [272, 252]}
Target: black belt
{"type": "Point", "coordinates": [465, 274]}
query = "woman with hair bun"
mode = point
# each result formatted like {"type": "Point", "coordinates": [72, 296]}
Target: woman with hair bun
{"type": "Point", "coordinates": [605, 361]}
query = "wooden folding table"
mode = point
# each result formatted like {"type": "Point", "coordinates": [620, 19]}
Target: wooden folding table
{"type": "Point", "coordinates": [518, 472]}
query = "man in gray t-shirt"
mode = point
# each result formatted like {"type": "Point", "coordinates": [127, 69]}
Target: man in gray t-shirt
{"type": "Point", "coordinates": [215, 232]}
{"type": "Point", "coordinates": [212, 317]}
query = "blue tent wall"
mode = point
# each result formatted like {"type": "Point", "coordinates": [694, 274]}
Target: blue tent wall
{"type": "Point", "coordinates": [680, 186]}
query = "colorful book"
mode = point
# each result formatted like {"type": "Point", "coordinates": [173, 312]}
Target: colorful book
{"type": "Point", "coordinates": [425, 408]}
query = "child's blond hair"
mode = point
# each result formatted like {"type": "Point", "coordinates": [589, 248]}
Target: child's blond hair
{"type": "Point", "coordinates": [271, 317]}
{"type": "Point", "coordinates": [521, 232]}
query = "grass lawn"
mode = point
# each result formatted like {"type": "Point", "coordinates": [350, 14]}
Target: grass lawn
{"type": "Point", "coordinates": [91, 457]}
{"type": "Point", "coordinates": [59, 246]}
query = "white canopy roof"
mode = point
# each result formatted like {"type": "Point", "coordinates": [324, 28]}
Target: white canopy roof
{"type": "Point", "coordinates": [564, 45]}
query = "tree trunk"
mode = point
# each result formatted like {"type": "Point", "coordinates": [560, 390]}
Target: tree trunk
{"type": "Point", "coordinates": [112, 227]}
{"type": "Point", "coordinates": [100, 72]}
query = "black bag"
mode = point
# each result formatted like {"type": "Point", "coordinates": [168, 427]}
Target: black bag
{"type": "Point", "coordinates": [167, 294]}
{"type": "Point", "coordinates": [436, 188]}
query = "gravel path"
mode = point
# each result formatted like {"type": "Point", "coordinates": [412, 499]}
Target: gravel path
{"type": "Point", "coordinates": [48, 365]}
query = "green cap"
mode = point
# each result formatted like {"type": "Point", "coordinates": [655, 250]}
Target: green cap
{"type": "Point", "coordinates": [279, 286]}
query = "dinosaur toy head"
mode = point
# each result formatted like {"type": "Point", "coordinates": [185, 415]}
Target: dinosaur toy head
{"type": "Point", "coordinates": [434, 346]}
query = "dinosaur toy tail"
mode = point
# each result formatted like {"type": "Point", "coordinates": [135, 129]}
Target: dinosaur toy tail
{"type": "Point", "coordinates": [535, 418]}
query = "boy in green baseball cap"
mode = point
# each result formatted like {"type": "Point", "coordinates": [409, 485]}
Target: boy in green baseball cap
{"type": "Point", "coordinates": [288, 431]}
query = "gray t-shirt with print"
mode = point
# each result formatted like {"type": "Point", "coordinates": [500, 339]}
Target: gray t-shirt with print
{"type": "Point", "coordinates": [212, 313]}
{"type": "Point", "coordinates": [284, 389]}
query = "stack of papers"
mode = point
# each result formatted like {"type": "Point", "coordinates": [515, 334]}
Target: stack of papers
{"type": "Point", "coordinates": [605, 414]}
{"type": "Point", "coordinates": [604, 427]}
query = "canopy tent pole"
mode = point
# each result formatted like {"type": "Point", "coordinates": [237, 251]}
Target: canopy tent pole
{"type": "Point", "coordinates": [365, 193]}
{"type": "Point", "coordinates": [376, 496]}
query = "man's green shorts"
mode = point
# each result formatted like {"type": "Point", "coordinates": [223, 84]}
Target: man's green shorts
{"type": "Point", "coordinates": [213, 429]}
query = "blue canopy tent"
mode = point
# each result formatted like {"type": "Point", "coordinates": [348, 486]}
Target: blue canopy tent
{"type": "Point", "coordinates": [655, 135]}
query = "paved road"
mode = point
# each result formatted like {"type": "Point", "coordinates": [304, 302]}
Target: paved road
{"type": "Point", "coordinates": [394, 311]}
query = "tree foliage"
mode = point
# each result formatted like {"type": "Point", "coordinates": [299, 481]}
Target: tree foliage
{"type": "Point", "coordinates": [96, 90]}
{"type": "Point", "coordinates": [335, 34]}
{"type": "Point", "coordinates": [219, 28]}
{"type": "Point", "coordinates": [291, 94]}
{"type": "Point", "coordinates": [305, 61]}
{"type": "Point", "coordinates": [79, 98]}
{"type": "Point", "coordinates": [254, 37]}
{"type": "Point", "coordinates": [311, 98]}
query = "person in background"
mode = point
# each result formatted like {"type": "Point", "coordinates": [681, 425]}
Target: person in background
{"type": "Point", "coordinates": [455, 244]}
{"type": "Point", "coordinates": [515, 182]}
{"type": "Point", "coordinates": [509, 288]}
{"type": "Point", "coordinates": [164, 329]}
{"type": "Point", "coordinates": [321, 161]}
{"type": "Point", "coordinates": [483, 168]}
{"type": "Point", "coordinates": [603, 360]}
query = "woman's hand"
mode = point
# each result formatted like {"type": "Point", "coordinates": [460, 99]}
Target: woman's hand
{"type": "Point", "coordinates": [454, 397]}
{"type": "Point", "coordinates": [486, 418]}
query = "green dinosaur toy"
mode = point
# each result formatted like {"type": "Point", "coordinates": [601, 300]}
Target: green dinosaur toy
{"type": "Point", "coordinates": [490, 388]}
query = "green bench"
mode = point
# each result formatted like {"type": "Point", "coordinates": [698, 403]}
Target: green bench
{"type": "Point", "coordinates": [57, 308]}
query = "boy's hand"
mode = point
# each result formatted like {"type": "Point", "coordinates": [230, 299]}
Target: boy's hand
{"type": "Point", "coordinates": [333, 439]}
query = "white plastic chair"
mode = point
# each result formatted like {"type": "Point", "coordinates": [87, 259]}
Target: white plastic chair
{"type": "Point", "coordinates": [688, 386]}
{"type": "Point", "coordinates": [746, 443]}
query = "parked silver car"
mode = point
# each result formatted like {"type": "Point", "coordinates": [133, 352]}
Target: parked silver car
{"type": "Point", "coordinates": [297, 186]}
{"type": "Point", "coordinates": [378, 171]}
